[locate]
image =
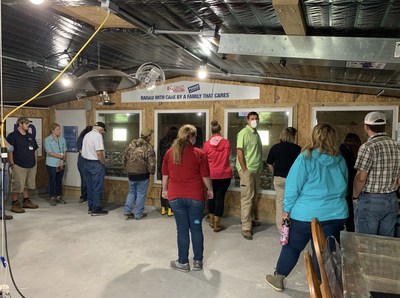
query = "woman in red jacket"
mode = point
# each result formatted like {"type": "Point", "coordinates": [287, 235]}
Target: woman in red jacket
{"type": "Point", "coordinates": [184, 173]}
{"type": "Point", "coordinates": [217, 150]}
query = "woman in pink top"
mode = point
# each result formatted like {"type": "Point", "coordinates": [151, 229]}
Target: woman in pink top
{"type": "Point", "coordinates": [217, 150]}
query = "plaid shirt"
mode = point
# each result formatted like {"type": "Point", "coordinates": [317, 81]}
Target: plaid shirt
{"type": "Point", "coordinates": [380, 157]}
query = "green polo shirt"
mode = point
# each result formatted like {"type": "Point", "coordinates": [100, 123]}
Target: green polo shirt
{"type": "Point", "coordinates": [249, 141]}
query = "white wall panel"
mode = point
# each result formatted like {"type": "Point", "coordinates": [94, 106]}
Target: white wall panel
{"type": "Point", "coordinates": [71, 118]}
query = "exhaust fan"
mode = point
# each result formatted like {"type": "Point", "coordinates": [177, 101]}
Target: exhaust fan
{"type": "Point", "coordinates": [149, 76]}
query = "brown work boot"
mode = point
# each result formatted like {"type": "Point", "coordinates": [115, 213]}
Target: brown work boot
{"type": "Point", "coordinates": [6, 217]}
{"type": "Point", "coordinates": [217, 224]}
{"type": "Point", "coordinates": [28, 204]}
{"type": "Point", "coordinates": [211, 220]}
{"type": "Point", "coordinates": [16, 207]}
{"type": "Point", "coordinates": [247, 234]}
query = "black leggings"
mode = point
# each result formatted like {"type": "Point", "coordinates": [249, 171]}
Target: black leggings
{"type": "Point", "coordinates": [216, 205]}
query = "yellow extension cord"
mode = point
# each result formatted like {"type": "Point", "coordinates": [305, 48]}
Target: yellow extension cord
{"type": "Point", "coordinates": [52, 82]}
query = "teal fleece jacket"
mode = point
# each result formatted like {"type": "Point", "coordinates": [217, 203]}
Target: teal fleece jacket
{"type": "Point", "coordinates": [316, 186]}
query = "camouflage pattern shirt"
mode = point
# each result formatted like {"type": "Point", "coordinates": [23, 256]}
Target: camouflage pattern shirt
{"type": "Point", "coordinates": [140, 158]}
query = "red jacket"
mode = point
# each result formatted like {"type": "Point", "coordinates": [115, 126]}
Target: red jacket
{"type": "Point", "coordinates": [186, 180]}
{"type": "Point", "coordinates": [217, 150]}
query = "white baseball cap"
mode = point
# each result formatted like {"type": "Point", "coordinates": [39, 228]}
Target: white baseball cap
{"type": "Point", "coordinates": [375, 118]}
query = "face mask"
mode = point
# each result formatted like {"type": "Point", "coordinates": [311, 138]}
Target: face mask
{"type": "Point", "coordinates": [253, 123]}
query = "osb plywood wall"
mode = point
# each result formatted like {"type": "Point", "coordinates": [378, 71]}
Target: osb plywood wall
{"type": "Point", "coordinates": [44, 114]}
{"type": "Point", "coordinates": [302, 101]}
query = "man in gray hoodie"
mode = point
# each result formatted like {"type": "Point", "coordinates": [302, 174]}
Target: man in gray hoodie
{"type": "Point", "coordinates": [140, 163]}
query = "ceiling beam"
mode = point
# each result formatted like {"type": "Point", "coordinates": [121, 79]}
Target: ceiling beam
{"type": "Point", "coordinates": [94, 16]}
{"type": "Point", "coordinates": [113, 7]}
{"type": "Point", "coordinates": [291, 16]}
{"type": "Point", "coordinates": [374, 50]}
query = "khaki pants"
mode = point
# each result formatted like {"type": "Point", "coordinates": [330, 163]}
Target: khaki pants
{"type": "Point", "coordinates": [279, 185]}
{"type": "Point", "coordinates": [249, 187]}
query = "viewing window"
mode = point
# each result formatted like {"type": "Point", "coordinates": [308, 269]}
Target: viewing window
{"type": "Point", "coordinates": [272, 121]}
{"type": "Point", "coordinates": [122, 127]}
{"type": "Point", "coordinates": [166, 119]}
{"type": "Point", "coordinates": [351, 119]}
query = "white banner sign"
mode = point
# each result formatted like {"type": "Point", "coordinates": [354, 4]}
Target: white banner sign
{"type": "Point", "coordinates": [192, 91]}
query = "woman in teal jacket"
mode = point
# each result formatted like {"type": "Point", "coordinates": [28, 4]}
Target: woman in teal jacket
{"type": "Point", "coordinates": [316, 186]}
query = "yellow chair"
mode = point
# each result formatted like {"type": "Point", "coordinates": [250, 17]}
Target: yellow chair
{"type": "Point", "coordinates": [319, 242]}
{"type": "Point", "coordinates": [313, 283]}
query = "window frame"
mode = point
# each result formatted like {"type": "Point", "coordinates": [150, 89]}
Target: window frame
{"type": "Point", "coordinates": [156, 131]}
{"type": "Point", "coordinates": [98, 118]}
{"type": "Point", "coordinates": [288, 110]}
{"type": "Point", "coordinates": [366, 108]}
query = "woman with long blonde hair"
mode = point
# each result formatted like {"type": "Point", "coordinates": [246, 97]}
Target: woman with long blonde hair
{"type": "Point", "coordinates": [185, 172]}
{"type": "Point", "coordinates": [316, 186]}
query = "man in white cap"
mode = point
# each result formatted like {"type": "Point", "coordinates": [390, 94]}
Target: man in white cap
{"type": "Point", "coordinates": [377, 179]}
{"type": "Point", "coordinates": [140, 163]}
{"type": "Point", "coordinates": [95, 167]}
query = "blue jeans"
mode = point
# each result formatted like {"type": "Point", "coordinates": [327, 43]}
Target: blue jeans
{"type": "Point", "coordinates": [55, 181]}
{"type": "Point", "coordinates": [136, 196]}
{"type": "Point", "coordinates": [376, 214]}
{"type": "Point", "coordinates": [188, 215]}
{"type": "Point", "coordinates": [4, 176]}
{"type": "Point", "coordinates": [81, 169]}
{"type": "Point", "coordinates": [95, 172]}
{"type": "Point", "coordinates": [299, 235]}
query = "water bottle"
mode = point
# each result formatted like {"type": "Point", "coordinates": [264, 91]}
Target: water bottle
{"type": "Point", "coordinates": [285, 232]}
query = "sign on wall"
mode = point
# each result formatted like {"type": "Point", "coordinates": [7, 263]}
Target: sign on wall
{"type": "Point", "coordinates": [70, 134]}
{"type": "Point", "coordinates": [192, 91]}
{"type": "Point", "coordinates": [35, 128]}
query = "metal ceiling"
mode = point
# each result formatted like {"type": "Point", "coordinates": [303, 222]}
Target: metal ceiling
{"type": "Point", "coordinates": [350, 46]}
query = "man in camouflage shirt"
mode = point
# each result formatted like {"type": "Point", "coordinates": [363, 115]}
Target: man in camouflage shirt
{"type": "Point", "coordinates": [140, 163]}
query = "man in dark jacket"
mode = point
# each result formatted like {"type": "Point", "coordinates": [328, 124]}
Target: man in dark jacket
{"type": "Point", "coordinates": [23, 164]}
{"type": "Point", "coordinates": [140, 163]}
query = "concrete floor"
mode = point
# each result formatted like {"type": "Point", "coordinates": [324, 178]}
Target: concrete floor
{"type": "Point", "coordinates": [62, 251]}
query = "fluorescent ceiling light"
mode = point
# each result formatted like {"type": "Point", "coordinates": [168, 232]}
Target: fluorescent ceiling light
{"type": "Point", "coordinates": [36, 2]}
{"type": "Point", "coordinates": [202, 73]}
{"type": "Point", "coordinates": [66, 80]}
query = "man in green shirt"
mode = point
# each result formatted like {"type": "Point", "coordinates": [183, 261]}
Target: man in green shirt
{"type": "Point", "coordinates": [249, 165]}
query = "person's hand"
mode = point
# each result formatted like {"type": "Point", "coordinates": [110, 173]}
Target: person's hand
{"type": "Point", "coordinates": [164, 194]}
{"type": "Point", "coordinates": [285, 215]}
{"type": "Point", "coordinates": [210, 194]}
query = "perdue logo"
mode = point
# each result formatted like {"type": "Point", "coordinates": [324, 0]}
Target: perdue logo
{"type": "Point", "coordinates": [194, 88]}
